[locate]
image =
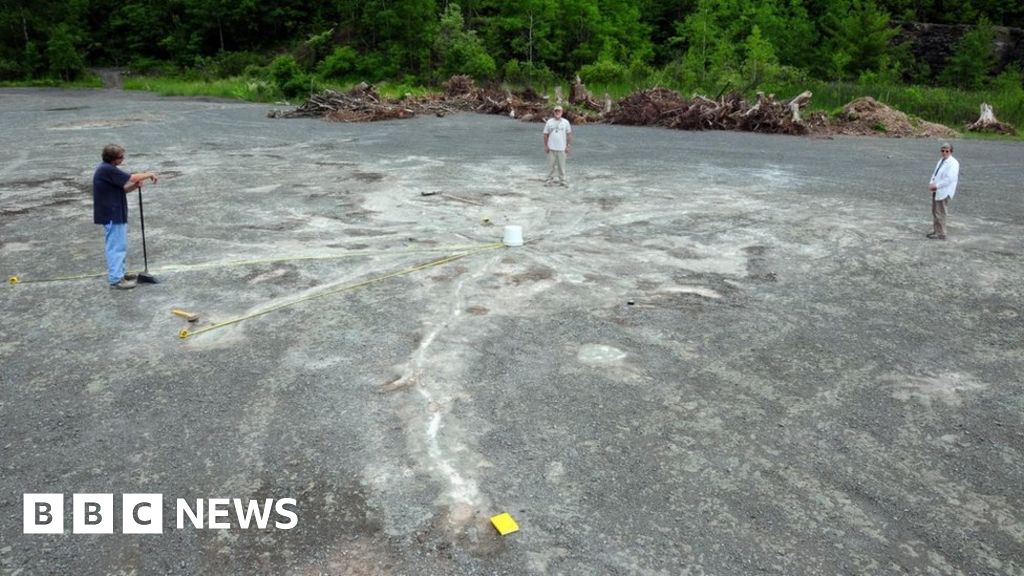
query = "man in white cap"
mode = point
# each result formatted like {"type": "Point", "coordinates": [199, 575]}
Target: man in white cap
{"type": "Point", "coordinates": [557, 144]}
{"type": "Point", "coordinates": [943, 187]}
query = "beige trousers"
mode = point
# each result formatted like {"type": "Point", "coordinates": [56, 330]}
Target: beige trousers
{"type": "Point", "coordinates": [556, 161]}
{"type": "Point", "coordinates": [939, 215]}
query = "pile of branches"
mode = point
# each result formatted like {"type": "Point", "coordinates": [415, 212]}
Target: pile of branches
{"type": "Point", "coordinates": [462, 93]}
{"type": "Point", "coordinates": [360, 104]}
{"type": "Point", "coordinates": [364, 104]}
{"type": "Point", "coordinates": [666, 108]}
{"type": "Point", "coordinates": [654, 107]}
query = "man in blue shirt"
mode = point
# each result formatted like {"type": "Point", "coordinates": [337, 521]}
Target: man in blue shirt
{"type": "Point", "coordinates": [110, 186]}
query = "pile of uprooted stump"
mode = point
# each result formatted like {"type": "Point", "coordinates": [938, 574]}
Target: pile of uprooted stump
{"type": "Point", "coordinates": [652, 107]}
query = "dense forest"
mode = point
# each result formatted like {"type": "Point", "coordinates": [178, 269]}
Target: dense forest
{"type": "Point", "coordinates": [701, 44]}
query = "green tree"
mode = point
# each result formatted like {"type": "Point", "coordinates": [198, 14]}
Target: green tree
{"type": "Point", "coordinates": [712, 56]}
{"type": "Point", "coordinates": [857, 35]}
{"type": "Point", "coordinates": [62, 55]}
{"type": "Point", "coordinates": [460, 51]}
{"type": "Point", "coordinates": [787, 26]}
{"type": "Point", "coordinates": [526, 32]}
{"type": "Point", "coordinates": [760, 63]}
{"type": "Point", "coordinates": [717, 39]}
{"type": "Point", "coordinates": [973, 58]}
{"type": "Point", "coordinates": [219, 20]}
{"type": "Point", "coordinates": [398, 35]}
{"type": "Point", "coordinates": [32, 61]}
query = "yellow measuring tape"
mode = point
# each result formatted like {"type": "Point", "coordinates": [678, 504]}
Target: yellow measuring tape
{"type": "Point", "coordinates": [18, 280]}
{"type": "Point", "coordinates": [186, 267]}
{"type": "Point", "coordinates": [187, 333]}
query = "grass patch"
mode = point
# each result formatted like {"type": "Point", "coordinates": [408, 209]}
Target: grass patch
{"type": "Point", "coordinates": [948, 106]}
{"type": "Point", "coordinates": [251, 89]}
{"type": "Point", "coordinates": [236, 88]}
{"type": "Point", "coordinates": [89, 81]}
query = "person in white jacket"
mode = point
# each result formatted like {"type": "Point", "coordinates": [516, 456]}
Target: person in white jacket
{"type": "Point", "coordinates": [943, 187]}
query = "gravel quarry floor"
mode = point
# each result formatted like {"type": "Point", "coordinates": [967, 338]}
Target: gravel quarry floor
{"type": "Point", "coordinates": [716, 354]}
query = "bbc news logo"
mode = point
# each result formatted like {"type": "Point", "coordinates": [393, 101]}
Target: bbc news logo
{"type": "Point", "coordinates": [144, 513]}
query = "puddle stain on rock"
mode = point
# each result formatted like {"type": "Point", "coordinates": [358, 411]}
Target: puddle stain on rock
{"type": "Point", "coordinates": [536, 273]}
{"type": "Point", "coordinates": [367, 176]}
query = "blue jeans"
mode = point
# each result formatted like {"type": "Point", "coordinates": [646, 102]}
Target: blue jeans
{"type": "Point", "coordinates": [116, 250]}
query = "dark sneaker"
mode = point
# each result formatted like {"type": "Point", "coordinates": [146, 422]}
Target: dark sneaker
{"type": "Point", "coordinates": [130, 276]}
{"type": "Point", "coordinates": [934, 236]}
{"type": "Point", "coordinates": [124, 284]}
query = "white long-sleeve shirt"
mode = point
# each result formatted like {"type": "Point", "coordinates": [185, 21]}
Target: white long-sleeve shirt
{"type": "Point", "coordinates": [945, 177]}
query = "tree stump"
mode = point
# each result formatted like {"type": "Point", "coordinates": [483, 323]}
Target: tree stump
{"type": "Point", "coordinates": [987, 122]}
{"type": "Point", "coordinates": [797, 103]}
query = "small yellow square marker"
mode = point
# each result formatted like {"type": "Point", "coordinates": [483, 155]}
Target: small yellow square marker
{"type": "Point", "coordinates": [504, 523]}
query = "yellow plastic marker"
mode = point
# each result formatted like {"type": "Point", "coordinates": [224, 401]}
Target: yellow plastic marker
{"type": "Point", "coordinates": [183, 334]}
{"type": "Point", "coordinates": [185, 314]}
{"type": "Point", "coordinates": [13, 280]}
{"type": "Point", "coordinates": [504, 523]}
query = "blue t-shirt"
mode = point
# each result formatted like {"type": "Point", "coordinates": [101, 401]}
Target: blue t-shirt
{"type": "Point", "coordinates": [109, 203]}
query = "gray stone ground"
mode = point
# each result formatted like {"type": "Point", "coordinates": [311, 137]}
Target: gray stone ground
{"type": "Point", "coordinates": [803, 384]}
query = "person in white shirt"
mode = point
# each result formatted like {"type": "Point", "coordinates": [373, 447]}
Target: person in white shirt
{"type": "Point", "coordinates": [557, 144]}
{"type": "Point", "coordinates": [943, 187]}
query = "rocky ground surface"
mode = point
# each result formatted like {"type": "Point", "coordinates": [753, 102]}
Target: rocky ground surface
{"type": "Point", "coordinates": [717, 353]}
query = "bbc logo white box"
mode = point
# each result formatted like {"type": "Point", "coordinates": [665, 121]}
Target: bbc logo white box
{"type": "Point", "coordinates": [92, 513]}
{"type": "Point", "coordinates": [142, 513]}
{"type": "Point", "coordinates": [43, 514]}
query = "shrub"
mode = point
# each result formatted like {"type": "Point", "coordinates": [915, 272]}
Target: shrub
{"type": "Point", "coordinates": [150, 66]}
{"type": "Point", "coordinates": [9, 70]}
{"type": "Point", "coordinates": [604, 71]}
{"type": "Point", "coordinates": [376, 66]}
{"type": "Point", "coordinates": [1010, 82]}
{"type": "Point", "coordinates": [289, 78]}
{"type": "Point", "coordinates": [236, 63]}
{"type": "Point", "coordinates": [340, 64]}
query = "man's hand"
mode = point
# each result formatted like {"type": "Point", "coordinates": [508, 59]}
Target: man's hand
{"type": "Point", "coordinates": [933, 187]}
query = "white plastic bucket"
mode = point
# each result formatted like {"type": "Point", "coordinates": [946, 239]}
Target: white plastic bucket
{"type": "Point", "coordinates": [513, 236]}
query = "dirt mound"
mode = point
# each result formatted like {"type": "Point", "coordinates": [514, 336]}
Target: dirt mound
{"type": "Point", "coordinates": [869, 117]}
